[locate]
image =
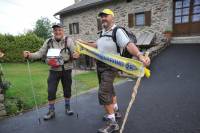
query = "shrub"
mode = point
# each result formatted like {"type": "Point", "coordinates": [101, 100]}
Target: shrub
{"type": "Point", "coordinates": [13, 46]}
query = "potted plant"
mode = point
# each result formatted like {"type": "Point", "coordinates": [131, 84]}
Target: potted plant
{"type": "Point", "coordinates": [168, 33]}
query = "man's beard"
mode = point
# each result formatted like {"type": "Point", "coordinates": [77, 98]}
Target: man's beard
{"type": "Point", "coordinates": [58, 39]}
{"type": "Point", "coordinates": [105, 25]}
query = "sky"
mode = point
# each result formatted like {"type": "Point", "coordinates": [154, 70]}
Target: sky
{"type": "Point", "coordinates": [19, 16]}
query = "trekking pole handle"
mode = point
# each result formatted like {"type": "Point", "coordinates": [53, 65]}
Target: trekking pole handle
{"type": "Point", "coordinates": [28, 54]}
{"type": "Point", "coordinates": [146, 54]}
{"type": "Point", "coordinates": [147, 72]}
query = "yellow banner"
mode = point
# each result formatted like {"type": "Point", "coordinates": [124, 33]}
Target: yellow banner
{"type": "Point", "coordinates": [129, 66]}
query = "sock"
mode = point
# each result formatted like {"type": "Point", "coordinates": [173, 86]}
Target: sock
{"type": "Point", "coordinates": [116, 108]}
{"type": "Point", "coordinates": [67, 102]}
{"type": "Point", "coordinates": [51, 107]}
{"type": "Point", "coordinates": [112, 117]}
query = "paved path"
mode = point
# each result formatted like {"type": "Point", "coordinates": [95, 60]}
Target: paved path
{"type": "Point", "coordinates": [168, 102]}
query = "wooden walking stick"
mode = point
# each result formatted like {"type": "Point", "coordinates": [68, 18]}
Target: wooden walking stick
{"type": "Point", "coordinates": [134, 93]}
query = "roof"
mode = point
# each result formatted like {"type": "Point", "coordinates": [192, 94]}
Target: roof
{"type": "Point", "coordinates": [83, 4]}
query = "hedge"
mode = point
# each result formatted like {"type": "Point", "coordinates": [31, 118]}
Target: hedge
{"type": "Point", "coordinates": [12, 46]}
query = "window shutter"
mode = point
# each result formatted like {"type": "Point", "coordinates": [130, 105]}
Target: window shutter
{"type": "Point", "coordinates": [148, 18]}
{"type": "Point", "coordinates": [77, 27]}
{"type": "Point", "coordinates": [130, 20]}
{"type": "Point", "coordinates": [70, 29]}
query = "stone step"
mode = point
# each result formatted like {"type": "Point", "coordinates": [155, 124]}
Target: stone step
{"type": "Point", "coordinates": [186, 40]}
{"type": "Point", "coordinates": [2, 113]}
{"type": "Point", "coordinates": [1, 98]}
{"type": "Point", "coordinates": [2, 107]}
{"type": "Point", "coordinates": [2, 110]}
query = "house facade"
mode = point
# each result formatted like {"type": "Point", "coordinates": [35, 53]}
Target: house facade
{"type": "Point", "coordinates": [181, 16]}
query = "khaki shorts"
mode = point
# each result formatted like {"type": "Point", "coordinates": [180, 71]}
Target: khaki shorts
{"type": "Point", "coordinates": [106, 75]}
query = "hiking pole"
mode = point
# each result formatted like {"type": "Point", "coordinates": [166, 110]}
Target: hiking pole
{"type": "Point", "coordinates": [33, 91]}
{"type": "Point", "coordinates": [76, 91]}
{"type": "Point", "coordinates": [75, 85]}
{"type": "Point", "coordinates": [134, 93]}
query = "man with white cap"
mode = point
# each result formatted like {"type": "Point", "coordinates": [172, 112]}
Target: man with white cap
{"type": "Point", "coordinates": [60, 68]}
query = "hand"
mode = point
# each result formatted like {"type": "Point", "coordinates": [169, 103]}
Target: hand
{"type": "Point", "coordinates": [145, 60]}
{"type": "Point", "coordinates": [90, 43]}
{"type": "Point", "coordinates": [26, 54]}
{"type": "Point", "coordinates": [1, 54]}
{"type": "Point", "coordinates": [81, 41]}
{"type": "Point", "coordinates": [76, 55]}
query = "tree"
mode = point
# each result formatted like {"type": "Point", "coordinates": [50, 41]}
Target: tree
{"type": "Point", "coordinates": [43, 28]}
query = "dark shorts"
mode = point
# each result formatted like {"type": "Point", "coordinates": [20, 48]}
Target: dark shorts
{"type": "Point", "coordinates": [106, 75]}
{"type": "Point", "coordinates": [53, 80]}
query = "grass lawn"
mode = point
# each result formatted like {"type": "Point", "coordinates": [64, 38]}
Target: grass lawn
{"type": "Point", "coordinates": [20, 97]}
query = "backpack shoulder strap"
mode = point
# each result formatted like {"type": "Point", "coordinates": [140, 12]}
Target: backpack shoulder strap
{"type": "Point", "coordinates": [66, 44]}
{"type": "Point", "coordinates": [114, 33]}
{"type": "Point", "coordinates": [100, 33]}
{"type": "Point", "coordinates": [49, 43]}
{"type": "Point", "coordinates": [114, 37]}
{"type": "Point", "coordinates": [68, 49]}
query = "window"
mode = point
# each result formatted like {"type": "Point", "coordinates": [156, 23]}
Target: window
{"type": "Point", "coordinates": [99, 24]}
{"type": "Point", "coordinates": [182, 11]}
{"type": "Point", "coordinates": [196, 11]}
{"type": "Point", "coordinates": [196, 18]}
{"type": "Point", "coordinates": [129, 0]}
{"type": "Point", "coordinates": [139, 19]}
{"type": "Point", "coordinates": [62, 21]}
{"type": "Point", "coordinates": [196, 2]}
{"type": "Point", "coordinates": [74, 28]}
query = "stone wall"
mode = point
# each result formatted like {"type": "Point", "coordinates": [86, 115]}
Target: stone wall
{"type": "Point", "coordinates": [2, 107]}
{"type": "Point", "coordinates": [161, 17]}
{"type": "Point", "coordinates": [2, 92]}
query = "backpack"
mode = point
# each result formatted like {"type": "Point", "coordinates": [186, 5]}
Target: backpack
{"type": "Point", "coordinates": [132, 37]}
{"type": "Point", "coordinates": [56, 61]}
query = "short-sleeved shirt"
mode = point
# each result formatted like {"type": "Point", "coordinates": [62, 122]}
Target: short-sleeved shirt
{"type": "Point", "coordinates": [105, 44]}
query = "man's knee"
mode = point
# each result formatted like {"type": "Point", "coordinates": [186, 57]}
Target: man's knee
{"type": "Point", "coordinates": [67, 93]}
{"type": "Point", "coordinates": [105, 97]}
{"type": "Point", "coordinates": [51, 94]}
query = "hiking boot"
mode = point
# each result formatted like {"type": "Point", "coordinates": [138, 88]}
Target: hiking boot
{"type": "Point", "coordinates": [50, 115]}
{"type": "Point", "coordinates": [117, 116]}
{"type": "Point", "coordinates": [111, 126]}
{"type": "Point", "coordinates": [105, 117]}
{"type": "Point", "coordinates": [68, 111]}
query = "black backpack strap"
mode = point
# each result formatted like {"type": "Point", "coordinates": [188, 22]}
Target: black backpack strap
{"type": "Point", "coordinates": [115, 38]}
{"type": "Point", "coordinates": [68, 49]}
{"type": "Point", "coordinates": [50, 43]}
{"type": "Point", "coordinates": [66, 45]}
{"type": "Point", "coordinates": [100, 33]}
{"type": "Point", "coordinates": [107, 36]}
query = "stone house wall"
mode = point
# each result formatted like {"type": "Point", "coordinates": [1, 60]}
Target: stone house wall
{"type": "Point", "coordinates": [161, 17]}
